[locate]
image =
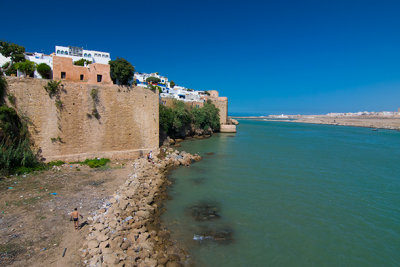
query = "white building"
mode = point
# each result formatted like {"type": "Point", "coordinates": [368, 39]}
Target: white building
{"type": "Point", "coordinates": [4, 60]}
{"type": "Point", "coordinates": [77, 53]}
{"type": "Point", "coordinates": [38, 58]}
{"type": "Point", "coordinates": [178, 92]}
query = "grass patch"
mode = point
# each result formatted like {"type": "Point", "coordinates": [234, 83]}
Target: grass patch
{"type": "Point", "coordinates": [25, 170]}
{"type": "Point", "coordinates": [93, 163]}
{"type": "Point", "coordinates": [41, 167]}
{"type": "Point", "coordinates": [56, 139]}
{"type": "Point", "coordinates": [55, 163]}
{"type": "Point", "coordinates": [9, 252]}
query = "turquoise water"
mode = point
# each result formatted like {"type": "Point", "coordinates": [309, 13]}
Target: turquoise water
{"type": "Point", "coordinates": [293, 195]}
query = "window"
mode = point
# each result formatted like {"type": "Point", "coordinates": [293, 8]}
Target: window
{"type": "Point", "coordinates": [58, 51]}
{"type": "Point", "coordinates": [89, 55]}
{"type": "Point", "coordinates": [62, 52]}
{"type": "Point", "coordinates": [99, 77]}
{"type": "Point", "coordinates": [82, 77]}
{"type": "Point", "coordinates": [63, 75]}
{"type": "Point", "coordinates": [85, 55]}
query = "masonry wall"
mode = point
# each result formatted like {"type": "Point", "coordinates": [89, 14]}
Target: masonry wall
{"type": "Point", "coordinates": [222, 104]}
{"type": "Point", "coordinates": [169, 102]}
{"type": "Point", "coordinates": [127, 127]}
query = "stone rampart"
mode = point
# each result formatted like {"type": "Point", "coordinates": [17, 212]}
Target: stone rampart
{"type": "Point", "coordinates": [127, 125]}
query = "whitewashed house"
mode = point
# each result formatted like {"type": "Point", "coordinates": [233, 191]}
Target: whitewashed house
{"type": "Point", "coordinates": [38, 58]}
{"type": "Point", "coordinates": [77, 53]}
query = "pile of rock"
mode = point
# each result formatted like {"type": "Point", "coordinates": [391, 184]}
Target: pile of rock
{"type": "Point", "coordinates": [125, 232]}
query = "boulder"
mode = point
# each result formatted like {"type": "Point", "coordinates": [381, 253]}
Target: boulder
{"type": "Point", "coordinates": [98, 226]}
{"type": "Point", "coordinates": [93, 244]}
{"type": "Point", "coordinates": [110, 259]}
{"type": "Point", "coordinates": [125, 245]}
{"type": "Point", "coordinates": [142, 214]}
{"type": "Point", "coordinates": [102, 237]}
{"type": "Point", "coordinates": [106, 251]}
{"type": "Point", "coordinates": [150, 262]}
{"type": "Point", "coordinates": [173, 264]}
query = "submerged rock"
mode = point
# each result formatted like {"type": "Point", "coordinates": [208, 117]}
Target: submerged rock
{"type": "Point", "coordinates": [200, 180]}
{"type": "Point", "coordinates": [220, 235]}
{"type": "Point", "coordinates": [204, 211]}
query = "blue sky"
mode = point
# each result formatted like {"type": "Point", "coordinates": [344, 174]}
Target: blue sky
{"type": "Point", "coordinates": [267, 57]}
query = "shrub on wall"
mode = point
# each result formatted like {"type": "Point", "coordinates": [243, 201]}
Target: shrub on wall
{"type": "Point", "coordinates": [82, 61]}
{"type": "Point", "coordinates": [53, 88]}
{"type": "Point", "coordinates": [44, 70]}
{"type": "Point", "coordinates": [94, 93]}
{"type": "Point", "coordinates": [11, 99]}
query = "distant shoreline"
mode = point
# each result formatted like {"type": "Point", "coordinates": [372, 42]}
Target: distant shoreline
{"type": "Point", "coordinates": [376, 122]}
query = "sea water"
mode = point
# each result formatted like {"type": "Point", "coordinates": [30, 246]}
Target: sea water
{"type": "Point", "coordinates": [291, 194]}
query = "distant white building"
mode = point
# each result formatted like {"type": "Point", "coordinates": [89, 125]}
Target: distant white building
{"type": "Point", "coordinates": [141, 78]}
{"type": "Point", "coordinates": [77, 53]}
{"type": "Point", "coordinates": [177, 92]}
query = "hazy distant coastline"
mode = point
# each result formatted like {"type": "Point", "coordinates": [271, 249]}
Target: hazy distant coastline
{"type": "Point", "coordinates": [382, 120]}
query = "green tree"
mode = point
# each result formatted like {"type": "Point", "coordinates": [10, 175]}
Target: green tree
{"type": "Point", "coordinates": [44, 70]}
{"type": "Point", "coordinates": [15, 151]}
{"type": "Point", "coordinates": [153, 80]}
{"type": "Point", "coordinates": [9, 69]}
{"type": "Point", "coordinates": [14, 51]}
{"type": "Point", "coordinates": [121, 71]}
{"type": "Point", "coordinates": [181, 116]}
{"type": "Point", "coordinates": [27, 67]}
{"type": "Point", "coordinates": [16, 54]}
{"type": "Point", "coordinates": [176, 120]}
{"type": "Point", "coordinates": [206, 117]}
{"type": "Point", "coordinates": [81, 62]}
{"type": "Point", "coordinates": [166, 119]}
{"type": "Point", "coordinates": [172, 84]}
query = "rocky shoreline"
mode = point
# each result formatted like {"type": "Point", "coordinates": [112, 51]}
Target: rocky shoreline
{"type": "Point", "coordinates": [126, 231]}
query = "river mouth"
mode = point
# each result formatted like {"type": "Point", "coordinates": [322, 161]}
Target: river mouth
{"type": "Point", "coordinates": [285, 194]}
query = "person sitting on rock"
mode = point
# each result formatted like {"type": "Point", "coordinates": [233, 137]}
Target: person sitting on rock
{"type": "Point", "coordinates": [150, 156]}
{"type": "Point", "coordinates": [75, 217]}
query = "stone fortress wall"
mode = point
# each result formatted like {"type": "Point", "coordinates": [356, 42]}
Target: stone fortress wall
{"type": "Point", "coordinates": [128, 125]}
